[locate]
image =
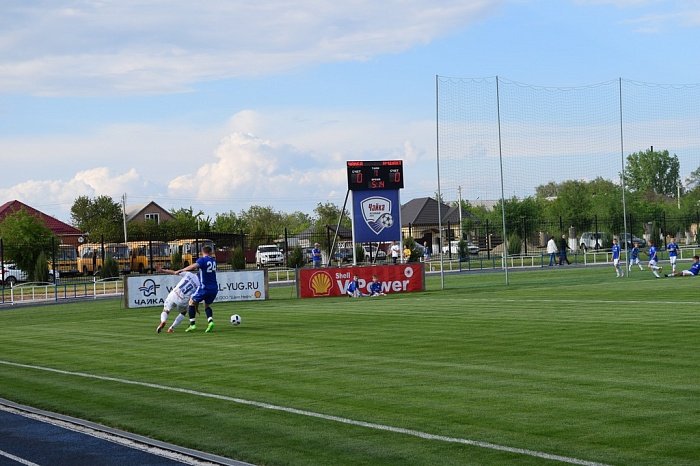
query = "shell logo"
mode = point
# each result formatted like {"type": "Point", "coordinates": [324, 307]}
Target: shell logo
{"type": "Point", "coordinates": [321, 283]}
{"type": "Point", "coordinates": [258, 294]}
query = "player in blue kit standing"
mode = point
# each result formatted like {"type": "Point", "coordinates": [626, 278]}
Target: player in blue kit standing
{"type": "Point", "coordinates": [672, 249]}
{"type": "Point", "coordinates": [634, 257]}
{"type": "Point", "coordinates": [208, 288]}
{"type": "Point", "coordinates": [653, 260]}
{"type": "Point", "coordinates": [616, 258]}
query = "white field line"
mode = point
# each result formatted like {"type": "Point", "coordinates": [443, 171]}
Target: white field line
{"type": "Point", "coordinates": [175, 456]}
{"type": "Point", "coordinates": [327, 417]}
{"type": "Point", "coordinates": [17, 459]}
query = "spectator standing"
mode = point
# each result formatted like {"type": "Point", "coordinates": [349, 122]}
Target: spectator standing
{"type": "Point", "coordinates": [395, 252]}
{"type": "Point", "coordinates": [563, 246]}
{"type": "Point", "coordinates": [552, 251]}
{"type": "Point", "coordinates": [426, 252]}
{"type": "Point", "coordinates": [316, 255]}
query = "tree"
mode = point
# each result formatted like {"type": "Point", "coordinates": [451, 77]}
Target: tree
{"type": "Point", "coordinates": [548, 190]}
{"type": "Point", "coordinates": [654, 172]}
{"type": "Point", "coordinates": [693, 181]}
{"type": "Point", "coordinates": [99, 217]}
{"type": "Point", "coordinates": [263, 224]}
{"type": "Point", "coordinates": [25, 237]}
{"type": "Point", "coordinates": [186, 222]}
{"type": "Point", "coordinates": [329, 214]}
{"type": "Point", "coordinates": [228, 222]}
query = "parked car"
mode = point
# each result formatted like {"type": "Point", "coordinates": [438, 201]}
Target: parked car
{"type": "Point", "coordinates": [12, 275]}
{"type": "Point", "coordinates": [268, 255]}
{"type": "Point", "coordinates": [595, 240]}
{"type": "Point", "coordinates": [343, 255]}
{"type": "Point", "coordinates": [630, 242]}
{"type": "Point", "coordinates": [375, 253]}
{"type": "Point", "coordinates": [454, 248]}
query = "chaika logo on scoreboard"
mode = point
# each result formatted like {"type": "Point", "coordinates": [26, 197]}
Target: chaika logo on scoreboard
{"type": "Point", "coordinates": [376, 212]}
{"type": "Point", "coordinates": [376, 218]}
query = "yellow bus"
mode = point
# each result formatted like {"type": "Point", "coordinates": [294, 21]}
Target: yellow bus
{"type": "Point", "coordinates": [147, 256]}
{"type": "Point", "coordinates": [90, 257]}
{"type": "Point", "coordinates": [188, 249]}
{"type": "Point", "coordinates": [66, 260]}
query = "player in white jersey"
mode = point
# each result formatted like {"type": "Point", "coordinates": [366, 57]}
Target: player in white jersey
{"type": "Point", "coordinates": [178, 298]}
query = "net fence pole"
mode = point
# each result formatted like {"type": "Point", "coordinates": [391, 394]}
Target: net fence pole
{"type": "Point", "coordinates": [624, 183]}
{"type": "Point", "coordinates": [503, 195]}
{"type": "Point", "coordinates": [439, 199]}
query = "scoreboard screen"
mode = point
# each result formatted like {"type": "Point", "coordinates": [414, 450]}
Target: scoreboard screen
{"type": "Point", "coordinates": [383, 174]}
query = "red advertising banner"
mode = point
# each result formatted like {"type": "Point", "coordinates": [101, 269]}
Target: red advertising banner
{"type": "Point", "coordinates": [334, 281]}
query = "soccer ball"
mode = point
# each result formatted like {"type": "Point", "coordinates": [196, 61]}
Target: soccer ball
{"type": "Point", "coordinates": [235, 319]}
{"type": "Point", "coordinates": [387, 220]}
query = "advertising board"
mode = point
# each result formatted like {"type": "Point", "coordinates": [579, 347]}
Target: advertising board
{"type": "Point", "coordinates": [151, 290]}
{"type": "Point", "coordinates": [334, 281]}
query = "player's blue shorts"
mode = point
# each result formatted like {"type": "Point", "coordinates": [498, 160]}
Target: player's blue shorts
{"type": "Point", "coordinates": [204, 294]}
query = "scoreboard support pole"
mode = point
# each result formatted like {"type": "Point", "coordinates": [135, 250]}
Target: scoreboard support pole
{"type": "Point", "coordinates": [337, 227]}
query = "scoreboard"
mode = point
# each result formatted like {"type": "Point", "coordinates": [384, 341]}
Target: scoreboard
{"type": "Point", "coordinates": [383, 174]}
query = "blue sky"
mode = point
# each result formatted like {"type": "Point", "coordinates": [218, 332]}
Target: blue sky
{"type": "Point", "coordinates": [221, 105]}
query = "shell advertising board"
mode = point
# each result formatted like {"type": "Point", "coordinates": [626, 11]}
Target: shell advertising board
{"type": "Point", "coordinates": [334, 281]}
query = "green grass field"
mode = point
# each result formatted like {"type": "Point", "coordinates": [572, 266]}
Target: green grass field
{"type": "Point", "coordinates": [561, 365]}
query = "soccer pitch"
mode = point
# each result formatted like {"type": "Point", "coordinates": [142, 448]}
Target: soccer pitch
{"type": "Point", "coordinates": [561, 366]}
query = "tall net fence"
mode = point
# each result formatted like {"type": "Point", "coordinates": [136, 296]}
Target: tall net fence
{"type": "Point", "coordinates": [500, 139]}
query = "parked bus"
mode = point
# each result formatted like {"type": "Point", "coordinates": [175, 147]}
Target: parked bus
{"type": "Point", "coordinates": [188, 249]}
{"type": "Point", "coordinates": [90, 257]}
{"type": "Point", "coordinates": [147, 256]}
{"type": "Point", "coordinates": [66, 260]}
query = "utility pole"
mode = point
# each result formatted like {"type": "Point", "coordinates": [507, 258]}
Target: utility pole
{"type": "Point", "coordinates": [124, 215]}
{"type": "Point", "coordinates": [461, 231]}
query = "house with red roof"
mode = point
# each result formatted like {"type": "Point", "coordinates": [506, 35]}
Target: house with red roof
{"type": "Point", "coordinates": [66, 233]}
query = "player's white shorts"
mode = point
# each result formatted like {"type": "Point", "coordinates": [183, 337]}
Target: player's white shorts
{"type": "Point", "coordinates": [652, 263]}
{"type": "Point", "coordinates": [175, 301]}
{"type": "Point", "coordinates": [616, 262]}
{"type": "Point", "coordinates": [687, 273]}
{"type": "Point", "coordinates": [672, 259]}
{"type": "Point", "coordinates": [634, 261]}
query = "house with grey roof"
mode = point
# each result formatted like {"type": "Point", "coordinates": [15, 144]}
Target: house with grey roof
{"type": "Point", "coordinates": [420, 220]}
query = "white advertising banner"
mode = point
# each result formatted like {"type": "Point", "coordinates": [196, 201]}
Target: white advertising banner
{"type": "Point", "coordinates": [151, 290]}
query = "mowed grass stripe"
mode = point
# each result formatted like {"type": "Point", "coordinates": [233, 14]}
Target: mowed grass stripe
{"type": "Point", "coordinates": [480, 361]}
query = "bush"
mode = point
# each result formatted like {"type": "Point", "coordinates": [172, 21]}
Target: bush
{"type": "Point", "coordinates": [176, 261]}
{"type": "Point", "coordinates": [110, 268]}
{"type": "Point", "coordinates": [41, 269]}
{"type": "Point", "coordinates": [514, 244]}
{"type": "Point", "coordinates": [237, 259]}
{"type": "Point", "coordinates": [296, 258]}
{"type": "Point", "coordinates": [415, 252]}
{"type": "Point", "coordinates": [359, 252]}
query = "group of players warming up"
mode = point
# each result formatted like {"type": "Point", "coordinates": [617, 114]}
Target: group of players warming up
{"type": "Point", "coordinates": [653, 265]}
{"type": "Point", "coordinates": [191, 290]}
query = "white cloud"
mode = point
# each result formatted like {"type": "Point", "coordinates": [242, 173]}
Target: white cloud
{"type": "Point", "coordinates": [262, 160]}
{"type": "Point", "coordinates": [55, 197]}
{"type": "Point", "coordinates": [303, 164]}
{"type": "Point", "coordinates": [67, 47]}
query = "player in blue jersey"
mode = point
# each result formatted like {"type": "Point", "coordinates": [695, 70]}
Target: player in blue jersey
{"type": "Point", "coordinates": [653, 260]}
{"type": "Point", "coordinates": [375, 288]}
{"type": "Point", "coordinates": [616, 258]}
{"type": "Point", "coordinates": [316, 255]}
{"type": "Point", "coordinates": [354, 290]}
{"type": "Point", "coordinates": [672, 249]}
{"type": "Point", "coordinates": [693, 271]}
{"type": "Point", "coordinates": [634, 257]}
{"type": "Point", "coordinates": [208, 288]}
